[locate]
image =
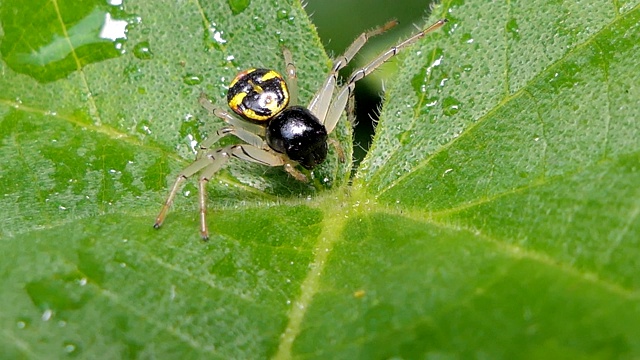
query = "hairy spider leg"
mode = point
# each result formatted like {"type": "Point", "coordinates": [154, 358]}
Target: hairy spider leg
{"type": "Point", "coordinates": [247, 132]}
{"type": "Point", "coordinates": [292, 76]}
{"type": "Point", "coordinates": [210, 164]}
{"type": "Point", "coordinates": [321, 101]}
{"type": "Point", "coordinates": [243, 130]}
{"type": "Point", "coordinates": [338, 105]}
{"type": "Point", "coordinates": [217, 159]}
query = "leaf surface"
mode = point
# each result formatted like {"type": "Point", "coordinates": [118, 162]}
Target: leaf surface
{"type": "Point", "coordinates": [496, 214]}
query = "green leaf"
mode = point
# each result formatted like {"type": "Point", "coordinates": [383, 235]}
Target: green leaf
{"type": "Point", "coordinates": [496, 214]}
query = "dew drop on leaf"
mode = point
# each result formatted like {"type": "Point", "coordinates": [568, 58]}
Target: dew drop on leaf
{"type": "Point", "coordinates": [192, 79]}
{"type": "Point", "coordinates": [238, 6]}
{"type": "Point", "coordinates": [450, 106]}
{"type": "Point", "coordinates": [142, 51]}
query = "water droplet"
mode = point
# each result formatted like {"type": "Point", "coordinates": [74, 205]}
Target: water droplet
{"type": "Point", "coordinates": [466, 38]}
{"type": "Point", "coordinates": [192, 79]}
{"type": "Point", "coordinates": [142, 51]}
{"type": "Point", "coordinates": [439, 53]}
{"type": "Point", "coordinates": [113, 29]}
{"type": "Point", "coordinates": [431, 102]}
{"type": "Point", "coordinates": [450, 106]}
{"type": "Point", "coordinates": [86, 96]}
{"type": "Point", "coordinates": [133, 72]}
{"type": "Point", "coordinates": [215, 37]}
{"type": "Point", "coordinates": [238, 6]}
{"type": "Point", "coordinates": [144, 127]}
{"type": "Point", "coordinates": [258, 25]}
{"type": "Point", "coordinates": [70, 348]}
{"type": "Point", "coordinates": [512, 28]}
{"type": "Point", "coordinates": [189, 130]}
{"type": "Point", "coordinates": [282, 14]}
{"type": "Point", "coordinates": [56, 293]}
{"type": "Point", "coordinates": [566, 79]}
{"type": "Point", "coordinates": [47, 315]}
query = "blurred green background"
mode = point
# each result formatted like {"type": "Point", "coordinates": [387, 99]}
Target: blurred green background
{"type": "Point", "coordinates": [340, 21]}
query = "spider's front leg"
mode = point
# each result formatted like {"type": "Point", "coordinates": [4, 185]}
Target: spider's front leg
{"type": "Point", "coordinates": [246, 152]}
{"type": "Point", "coordinates": [210, 163]}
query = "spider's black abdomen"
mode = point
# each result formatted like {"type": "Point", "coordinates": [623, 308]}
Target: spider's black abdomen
{"type": "Point", "coordinates": [298, 133]}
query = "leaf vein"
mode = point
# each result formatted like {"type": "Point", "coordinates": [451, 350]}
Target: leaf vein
{"type": "Point", "coordinates": [93, 108]}
{"type": "Point", "coordinates": [191, 276]}
{"type": "Point", "coordinates": [499, 105]}
{"type": "Point", "coordinates": [520, 252]}
{"type": "Point", "coordinates": [19, 343]}
{"type": "Point", "coordinates": [625, 230]}
{"type": "Point", "coordinates": [189, 340]}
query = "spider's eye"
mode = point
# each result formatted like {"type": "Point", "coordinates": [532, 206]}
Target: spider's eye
{"type": "Point", "coordinates": [258, 94]}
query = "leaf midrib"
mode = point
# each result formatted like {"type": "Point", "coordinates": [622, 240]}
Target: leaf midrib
{"type": "Point", "coordinates": [336, 209]}
{"type": "Point", "coordinates": [339, 208]}
{"type": "Point", "coordinates": [333, 227]}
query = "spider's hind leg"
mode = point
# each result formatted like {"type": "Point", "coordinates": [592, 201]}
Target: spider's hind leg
{"type": "Point", "coordinates": [219, 158]}
{"type": "Point", "coordinates": [321, 101]}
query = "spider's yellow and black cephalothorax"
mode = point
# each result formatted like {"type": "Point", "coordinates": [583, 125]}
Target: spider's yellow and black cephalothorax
{"type": "Point", "coordinates": [258, 94]}
{"type": "Point", "coordinates": [275, 130]}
